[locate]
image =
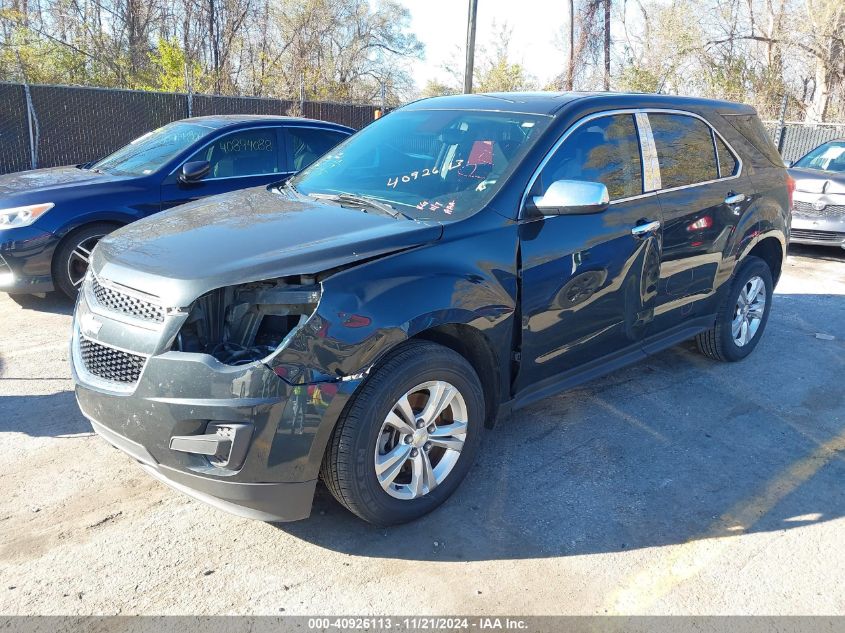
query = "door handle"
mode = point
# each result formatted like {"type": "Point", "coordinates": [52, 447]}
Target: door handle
{"type": "Point", "coordinates": [644, 229]}
{"type": "Point", "coordinates": [734, 198]}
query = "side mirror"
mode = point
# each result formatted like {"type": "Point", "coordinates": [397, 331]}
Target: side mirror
{"type": "Point", "coordinates": [194, 171]}
{"type": "Point", "coordinates": [572, 197]}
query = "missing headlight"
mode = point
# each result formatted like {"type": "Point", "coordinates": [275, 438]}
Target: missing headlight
{"type": "Point", "coordinates": [243, 324]}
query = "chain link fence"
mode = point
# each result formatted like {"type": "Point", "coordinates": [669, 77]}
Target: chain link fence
{"type": "Point", "coordinates": [45, 126]}
{"type": "Point", "coordinates": [795, 139]}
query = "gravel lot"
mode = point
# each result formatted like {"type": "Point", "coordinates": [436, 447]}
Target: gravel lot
{"type": "Point", "coordinates": [676, 486]}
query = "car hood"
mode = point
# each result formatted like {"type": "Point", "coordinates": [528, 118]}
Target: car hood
{"type": "Point", "coordinates": [247, 236]}
{"type": "Point", "coordinates": [817, 181]}
{"type": "Point", "coordinates": [51, 179]}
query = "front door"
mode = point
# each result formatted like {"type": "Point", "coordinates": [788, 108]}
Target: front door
{"type": "Point", "coordinates": [238, 160]}
{"type": "Point", "coordinates": [589, 281]}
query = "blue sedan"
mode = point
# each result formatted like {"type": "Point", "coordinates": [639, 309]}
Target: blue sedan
{"type": "Point", "coordinates": [51, 219]}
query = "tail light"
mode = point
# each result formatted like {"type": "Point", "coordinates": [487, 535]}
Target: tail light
{"type": "Point", "coordinates": [790, 189]}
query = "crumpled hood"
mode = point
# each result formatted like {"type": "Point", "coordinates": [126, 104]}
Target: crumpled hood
{"type": "Point", "coordinates": [246, 236]}
{"type": "Point", "coordinates": [50, 179]}
{"type": "Point", "coordinates": [817, 181]}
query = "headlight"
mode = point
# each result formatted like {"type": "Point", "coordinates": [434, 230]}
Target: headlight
{"type": "Point", "coordinates": [16, 217]}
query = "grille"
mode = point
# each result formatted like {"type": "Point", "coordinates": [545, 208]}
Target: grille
{"type": "Point", "coordinates": [127, 304]}
{"type": "Point", "coordinates": [821, 236]}
{"type": "Point", "coordinates": [109, 363]}
{"type": "Point", "coordinates": [806, 208]}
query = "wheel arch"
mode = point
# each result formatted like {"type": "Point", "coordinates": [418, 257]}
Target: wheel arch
{"type": "Point", "coordinates": [475, 347]}
{"type": "Point", "coordinates": [770, 250]}
{"type": "Point", "coordinates": [69, 235]}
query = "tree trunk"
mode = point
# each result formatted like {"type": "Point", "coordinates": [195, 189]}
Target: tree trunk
{"type": "Point", "coordinates": [817, 111]}
{"type": "Point", "coordinates": [607, 44]}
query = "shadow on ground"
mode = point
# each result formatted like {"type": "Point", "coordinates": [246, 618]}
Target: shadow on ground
{"type": "Point", "coordinates": [53, 415]}
{"type": "Point", "coordinates": [826, 253]}
{"type": "Point", "coordinates": [53, 302]}
{"type": "Point", "coordinates": [673, 449]}
{"type": "Point", "coordinates": [676, 448]}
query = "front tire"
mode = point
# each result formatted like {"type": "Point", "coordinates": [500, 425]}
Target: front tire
{"type": "Point", "coordinates": [70, 263]}
{"type": "Point", "coordinates": [402, 448]}
{"type": "Point", "coordinates": [743, 316]}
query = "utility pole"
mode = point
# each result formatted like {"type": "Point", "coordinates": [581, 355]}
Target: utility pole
{"type": "Point", "coordinates": [473, 10]}
{"type": "Point", "coordinates": [570, 71]}
{"type": "Point", "coordinates": [607, 44]}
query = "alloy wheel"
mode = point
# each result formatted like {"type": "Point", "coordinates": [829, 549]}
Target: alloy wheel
{"type": "Point", "coordinates": [80, 258]}
{"type": "Point", "coordinates": [749, 310]}
{"type": "Point", "coordinates": [421, 440]}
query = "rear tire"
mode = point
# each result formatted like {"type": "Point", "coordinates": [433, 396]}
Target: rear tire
{"type": "Point", "coordinates": [743, 315]}
{"type": "Point", "coordinates": [386, 428]}
{"type": "Point", "coordinates": [70, 262]}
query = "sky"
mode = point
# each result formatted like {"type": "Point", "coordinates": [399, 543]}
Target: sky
{"type": "Point", "coordinates": [441, 26]}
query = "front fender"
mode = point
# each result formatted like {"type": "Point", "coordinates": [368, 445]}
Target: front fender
{"type": "Point", "coordinates": [366, 311]}
{"type": "Point", "coordinates": [114, 217]}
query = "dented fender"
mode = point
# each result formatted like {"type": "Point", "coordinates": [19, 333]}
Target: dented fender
{"type": "Point", "coordinates": [367, 310]}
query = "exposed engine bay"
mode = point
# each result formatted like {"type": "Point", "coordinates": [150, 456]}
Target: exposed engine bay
{"type": "Point", "coordinates": [243, 324]}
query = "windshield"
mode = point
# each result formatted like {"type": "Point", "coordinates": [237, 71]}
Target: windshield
{"type": "Point", "coordinates": [440, 164]}
{"type": "Point", "coordinates": [147, 153]}
{"type": "Point", "coordinates": [827, 157]}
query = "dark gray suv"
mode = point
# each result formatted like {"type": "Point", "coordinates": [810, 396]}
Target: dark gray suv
{"type": "Point", "coordinates": [455, 260]}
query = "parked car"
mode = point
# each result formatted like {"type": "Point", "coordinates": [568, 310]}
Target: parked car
{"type": "Point", "coordinates": [819, 213]}
{"type": "Point", "coordinates": [457, 259]}
{"type": "Point", "coordinates": [50, 219]}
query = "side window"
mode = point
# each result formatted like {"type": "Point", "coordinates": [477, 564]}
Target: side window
{"type": "Point", "coordinates": [245, 153]}
{"type": "Point", "coordinates": [728, 164]}
{"type": "Point", "coordinates": [307, 144]}
{"type": "Point", "coordinates": [684, 149]}
{"type": "Point", "coordinates": [750, 126]}
{"type": "Point", "coordinates": [604, 150]}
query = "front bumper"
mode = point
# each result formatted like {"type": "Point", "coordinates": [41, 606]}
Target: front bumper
{"type": "Point", "coordinates": [25, 260]}
{"type": "Point", "coordinates": [824, 226]}
{"type": "Point", "coordinates": [182, 394]}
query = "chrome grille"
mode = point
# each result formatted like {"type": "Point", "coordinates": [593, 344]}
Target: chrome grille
{"type": "Point", "coordinates": [821, 236]}
{"type": "Point", "coordinates": [127, 304]}
{"type": "Point", "coordinates": [806, 208]}
{"type": "Point", "coordinates": [109, 363]}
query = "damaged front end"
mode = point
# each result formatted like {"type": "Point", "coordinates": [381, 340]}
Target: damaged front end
{"type": "Point", "coordinates": [242, 324]}
{"type": "Point", "coordinates": [197, 393]}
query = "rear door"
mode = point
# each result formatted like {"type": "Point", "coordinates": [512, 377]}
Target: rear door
{"type": "Point", "coordinates": [588, 281]}
{"type": "Point", "coordinates": [239, 160]}
{"type": "Point", "coordinates": [703, 195]}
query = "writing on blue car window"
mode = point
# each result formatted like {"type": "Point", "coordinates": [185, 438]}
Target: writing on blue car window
{"type": "Point", "coordinates": [237, 144]}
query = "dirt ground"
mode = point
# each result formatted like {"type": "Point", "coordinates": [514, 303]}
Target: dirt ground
{"type": "Point", "coordinates": [675, 486]}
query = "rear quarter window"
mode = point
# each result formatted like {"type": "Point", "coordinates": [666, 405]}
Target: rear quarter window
{"type": "Point", "coordinates": [728, 163]}
{"type": "Point", "coordinates": [750, 126]}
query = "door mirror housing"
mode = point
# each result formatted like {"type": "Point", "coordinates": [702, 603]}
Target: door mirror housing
{"type": "Point", "coordinates": [572, 197]}
{"type": "Point", "coordinates": [194, 171]}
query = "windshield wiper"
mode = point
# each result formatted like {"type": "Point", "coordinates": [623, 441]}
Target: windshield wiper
{"type": "Point", "coordinates": [363, 202]}
{"type": "Point", "coordinates": [287, 184]}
